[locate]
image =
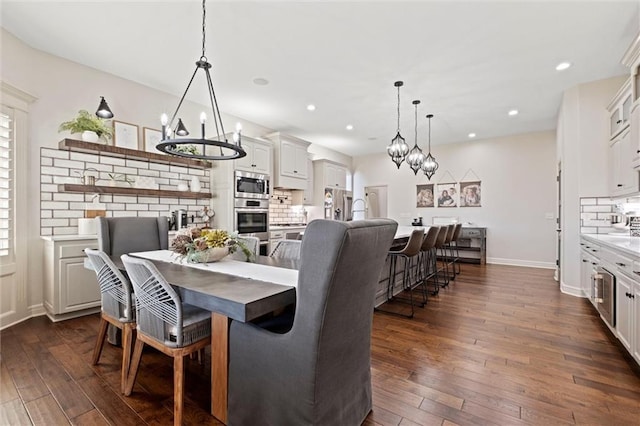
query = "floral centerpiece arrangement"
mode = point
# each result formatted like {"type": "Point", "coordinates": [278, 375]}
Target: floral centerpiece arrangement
{"type": "Point", "coordinates": [207, 245]}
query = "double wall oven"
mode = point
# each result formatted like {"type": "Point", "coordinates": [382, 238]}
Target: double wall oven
{"type": "Point", "coordinates": [251, 206]}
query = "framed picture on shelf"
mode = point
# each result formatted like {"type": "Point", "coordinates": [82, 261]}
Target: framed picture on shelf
{"type": "Point", "coordinates": [424, 195]}
{"type": "Point", "coordinates": [151, 138]}
{"type": "Point", "coordinates": [470, 194]}
{"type": "Point", "coordinates": [125, 135]}
{"type": "Point", "coordinates": [447, 195]}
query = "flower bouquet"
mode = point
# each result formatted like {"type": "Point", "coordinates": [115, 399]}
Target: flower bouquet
{"type": "Point", "coordinates": [207, 245]}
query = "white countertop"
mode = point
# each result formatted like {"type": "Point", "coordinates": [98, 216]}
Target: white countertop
{"type": "Point", "coordinates": [625, 243]}
{"type": "Point", "coordinates": [68, 237]}
{"type": "Point", "coordinates": [284, 228]}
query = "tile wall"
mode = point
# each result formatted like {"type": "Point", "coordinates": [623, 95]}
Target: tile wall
{"type": "Point", "coordinates": [281, 209]}
{"type": "Point", "coordinates": [595, 215]}
{"type": "Point", "coordinates": [59, 211]}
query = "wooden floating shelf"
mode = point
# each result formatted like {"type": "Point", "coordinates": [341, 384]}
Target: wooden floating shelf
{"type": "Point", "coordinates": [131, 154]}
{"type": "Point", "coordinates": [119, 190]}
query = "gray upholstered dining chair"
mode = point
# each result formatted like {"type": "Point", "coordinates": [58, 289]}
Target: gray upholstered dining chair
{"type": "Point", "coordinates": [165, 323]}
{"type": "Point", "coordinates": [319, 372]}
{"type": "Point", "coordinates": [286, 249]}
{"type": "Point", "coordinates": [123, 235]}
{"type": "Point", "coordinates": [117, 308]}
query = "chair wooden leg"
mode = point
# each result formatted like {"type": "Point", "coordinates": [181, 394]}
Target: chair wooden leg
{"type": "Point", "coordinates": [133, 368]}
{"type": "Point", "coordinates": [178, 389]}
{"type": "Point", "coordinates": [127, 340]}
{"type": "Point", "coordinates": [102, 332]}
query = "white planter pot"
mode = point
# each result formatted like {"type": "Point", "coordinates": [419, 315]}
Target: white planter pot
{"type": "Point", "coordinates": [89, 136]}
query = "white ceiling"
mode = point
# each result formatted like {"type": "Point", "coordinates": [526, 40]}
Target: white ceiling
{"type": "Point", "coordinates": [468, 62]}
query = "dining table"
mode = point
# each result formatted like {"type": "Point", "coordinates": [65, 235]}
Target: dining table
{"type": "Point", "coordinates": [230, 290]}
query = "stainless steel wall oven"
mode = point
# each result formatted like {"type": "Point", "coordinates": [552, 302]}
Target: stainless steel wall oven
{"type": "Point", "coordinates": [251, 218]}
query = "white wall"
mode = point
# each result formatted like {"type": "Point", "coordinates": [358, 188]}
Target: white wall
{"type": "Point", "coordinates": [518, 190]}
{"type": "Point", "coordinates": [583, 151]}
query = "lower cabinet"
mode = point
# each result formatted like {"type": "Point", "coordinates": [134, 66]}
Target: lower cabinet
{"type": "Point", "coordinates": [624, 310]}
{"type": "Point", "coordinates": [635, 321]}
{"type": "Point", "coordinates": [70, 289]}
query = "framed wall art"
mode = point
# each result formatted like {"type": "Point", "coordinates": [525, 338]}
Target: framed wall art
{"type": "Point", "coordinates": [424, 195]}
{"type": "Point", "coordinates": [447, 194]}
{"type": "Point", "coordinates": [470, 194]}
{"type": "Point", "coordinates": [151, 138]}
{"type": "Point", "coordinates": [125, 135]}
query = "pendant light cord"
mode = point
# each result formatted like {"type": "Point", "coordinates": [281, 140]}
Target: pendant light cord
{"type": "Point", "coordinates": [204, 15]}
{"type": "Point", "coordinates": [429, 135]}
{"type": "Point", "coordinates": [416, 126]}
{"type": "Point", "coordinates": [398, 109]}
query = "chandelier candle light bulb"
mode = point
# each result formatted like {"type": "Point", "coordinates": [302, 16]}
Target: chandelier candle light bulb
{"type": "Point", "coordinates": [203, 119]}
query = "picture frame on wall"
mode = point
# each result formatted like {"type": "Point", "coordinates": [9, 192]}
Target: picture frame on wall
{"type": "Point", "coordinates": [125, 135]}
{"type": "Point", "coordinates": [151, 138]}
{"type": "Point", "coordinates": [424, 196]}
{"type": "Point", "coordinates": [470, 194]}
{"type": "Point", "coordinates": [447, 194]}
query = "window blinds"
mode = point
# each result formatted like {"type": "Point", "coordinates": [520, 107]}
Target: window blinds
{"type": "Point", "coordinates": [6, 182]}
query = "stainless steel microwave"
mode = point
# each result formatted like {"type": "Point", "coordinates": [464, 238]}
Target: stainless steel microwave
{"type": "Point", "coordinates": [251, 185]}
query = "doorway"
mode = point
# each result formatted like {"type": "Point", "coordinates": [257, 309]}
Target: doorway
{"type": "Point", "coordinates": [376, 198]}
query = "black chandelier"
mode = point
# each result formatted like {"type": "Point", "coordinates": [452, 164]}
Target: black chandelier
{"type": "Point", "coordinates": [429, 165]}
{"type": "Point", "coordinates": [416, 156]}
{"type": "Point", "coordinates": [184, 147]}
{"type": "Point", "coordinates": [398, 149]}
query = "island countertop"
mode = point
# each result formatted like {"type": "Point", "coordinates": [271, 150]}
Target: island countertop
{"type": "Point", "coordinates": [624, 243]}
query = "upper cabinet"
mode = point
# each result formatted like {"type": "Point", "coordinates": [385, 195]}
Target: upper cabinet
{"type": "Point", "coordinates": [258, 158]}
{"type": "Point", "coordinates": [631, 107]}
{"type": "Point", "coordinates": [620, 110]}
{"type": "Point", "coordinates": [290, 161]}
{"type": "Point", "coordinates": [332, 175]}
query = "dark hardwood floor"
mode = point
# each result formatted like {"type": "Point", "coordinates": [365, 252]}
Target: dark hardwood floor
{"type": "Point", "coordinates": [500, 346]}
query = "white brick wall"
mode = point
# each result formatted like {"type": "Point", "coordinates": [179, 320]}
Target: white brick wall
{"type": "Point", "coordinates": [280, 210]}
{"type": "Point", "coordinates": [595, 215]}
{"type": "Point", "coordinates": [59, 211]}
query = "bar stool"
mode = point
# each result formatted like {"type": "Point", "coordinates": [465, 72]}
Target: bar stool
{"type": "Point", "coordinates": [447, 251]}
{"type": "Point", "coordinates": [440, 241]}
{"type": "Point", "coordinates": [427, 260]}
{"type": "Point", "coordinates": [408, 253]}
{"type": "Point", "coordinates": [456, 257]}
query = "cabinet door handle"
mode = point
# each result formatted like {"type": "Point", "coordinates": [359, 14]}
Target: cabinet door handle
{"type": "Point", "coordinates": [632, 296]}
{"type": "Point", "coordinates": [295, 171]}
{"type": "Point", "coordinates": [619, 121]}
{"type": "Point", "coordinates": [594, 263]}
{"type": "Point", "coordinates": [619, 185]}
{"type": "Point", "coordinates": [585, 260]}
{"type": "Point", "coordinates": [594, 250]}
{"type": "Point", "coordinates": [620, 264]}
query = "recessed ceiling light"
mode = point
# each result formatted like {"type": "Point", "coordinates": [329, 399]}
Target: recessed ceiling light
{"type": "Point", "coordinates": [513, 112]}
{"type": "Point", "coordinates": [563, 66]}
{"type": "Point", "coordinates": [311, 107]}
{"type": "Point", "coordinates": [349, 127]}
{"type": "Point", "coordinates": [373, 138]}
{"type": "Point", "coordinates": [259, 81]}
{"type": "Point", "coordinates": [472, 135]}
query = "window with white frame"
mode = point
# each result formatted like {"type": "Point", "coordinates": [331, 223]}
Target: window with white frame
{"type": "Point", "coordinates": [6, 182]}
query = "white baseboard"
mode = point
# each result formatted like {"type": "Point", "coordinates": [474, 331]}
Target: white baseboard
{"type": "Point", "coordinates": [519, 262]}
{"type": "Point", "coordinates": [571, 290]}
{"type": "Point", "coordinates": [32, 311]}
{"type": "Point", "coordinates": [37, 310]}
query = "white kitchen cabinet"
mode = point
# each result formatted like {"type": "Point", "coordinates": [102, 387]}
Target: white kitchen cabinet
{"type": "Point", "coordinates": [290, 161]}
{"type": "Point", "coordinates": [332, 175]}
{"type": "Point", "coordinates": [305, 197]}
{"type": "Point", "coordinates": [620, 110]}
{"type": "Point", "coordinates": [258, 158]}
{"type": "Point", "coordinates": [587, 263]}
{"type": "Point", "coordinates": [70, 289]}
{"type": "Point", "coordinates": [635, 321]}
{"type": "Point", "coordinates": [624, 310]}
{"type": "Point", "coordinates": [624, 178]}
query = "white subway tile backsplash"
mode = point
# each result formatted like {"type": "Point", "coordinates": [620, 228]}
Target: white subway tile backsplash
{"type": "Point", "coordinates": [66, 179]}
{"type": "Point", "coordinates": [125, 199]}
{"type": "Point", "coordinates": [54, 171]}
{"type": "Point", "coordinates": [62, 196]}
{"type": "Point", "coordinates": [68, 213]}
{"type": "Point", "coordinates": [54, 205]}
{"type": "Point", "coordinates": [65, 230]}
{"type": "Point", "coordinates": [108, 168]}
{"type": "Point", "coordinates": [587, 201]}
{"type": "Point", "coordinates": [592, 209]}
{"type": "Point", "coordinates": [112, 161]}
{"type": "Point", "coordinates": [46, 231]}
{"type": "Point", "coordinates": [137, 164]}
{"type": "Point", "coordinates": [46, 179]}
{"type": "Point", "coordinates": [152, 173]}
{"type": "Point", "coordinates": [45, 161]}
{"type": "Point", "coordinates": [53, 153]}
{"type": "Point", "coordinates": [178, 169]}
{"type": "Point", "coordinates": [68, 164]}
{"type": "Point", "coordinates": [161, 167]}
{"type": "Point", "coordinates": [54, 222]}
{"type": "Point", "coordinates": [46, 214]}
{"type": "Point", "coordinates": [92, 158]}
{"type": "Point", "coordinates": [124, 170]}
{"type": "Point", "coordinates": [148, 200]}
{"type": "Point", "coordinates": [122, 213]}
{"type": "Point", "coordinates": [46, 196]}
{"type": "Point", "coordinates": [77, 206]}
{"type": "Point", "coordinates": [606, 201]}
{"type": "Point", "coordinates": [149, 214]}
{"type": "Point", "coordinates": [115, 206]}
{"type": "Point", "coordinates": [158, 207]}
{"type": "Point", "coordinates": [136, 206]}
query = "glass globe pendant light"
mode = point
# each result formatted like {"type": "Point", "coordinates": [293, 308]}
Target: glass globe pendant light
{"type": "Point", "coordinates": [398, 149]}
{"type": "Point", "coordinates": [416, 157]}
{"type": "Point", "coordinates": [429, 165]}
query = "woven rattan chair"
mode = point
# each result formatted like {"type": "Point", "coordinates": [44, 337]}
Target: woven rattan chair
{"type": "Point", "coordinates": [165, 323]}
{"type": "Point", "coordinates": [117, 308]}
{"type": "Point", "coordinates": [287, 249]}
{"type": "Point", "coordinates": [253, 244]}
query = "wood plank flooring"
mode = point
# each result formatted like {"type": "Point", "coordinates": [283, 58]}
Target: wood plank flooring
{"type": "Point", "coordinates": [500, 346]}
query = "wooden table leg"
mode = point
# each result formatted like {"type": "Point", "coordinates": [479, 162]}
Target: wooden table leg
{"type": "Point", "coordinates": [219, 365]}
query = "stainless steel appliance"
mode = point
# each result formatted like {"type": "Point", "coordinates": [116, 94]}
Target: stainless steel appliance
{"type": "Point", "coordinates": [604, 293]}
{"type": "Point", "coordinates": [251, 185]}
{"type": "Point", "coordinates": [178, 220]}
{"type": "Point", "coordinates": [338, 204]}
{"type": "Point", "coordinates": [251, 218]}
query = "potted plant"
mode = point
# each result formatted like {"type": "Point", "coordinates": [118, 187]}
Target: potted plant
{"type": "Point", "coordinates": [91, 127]}
{"type": "Point", "coordinates": [207, 245]}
